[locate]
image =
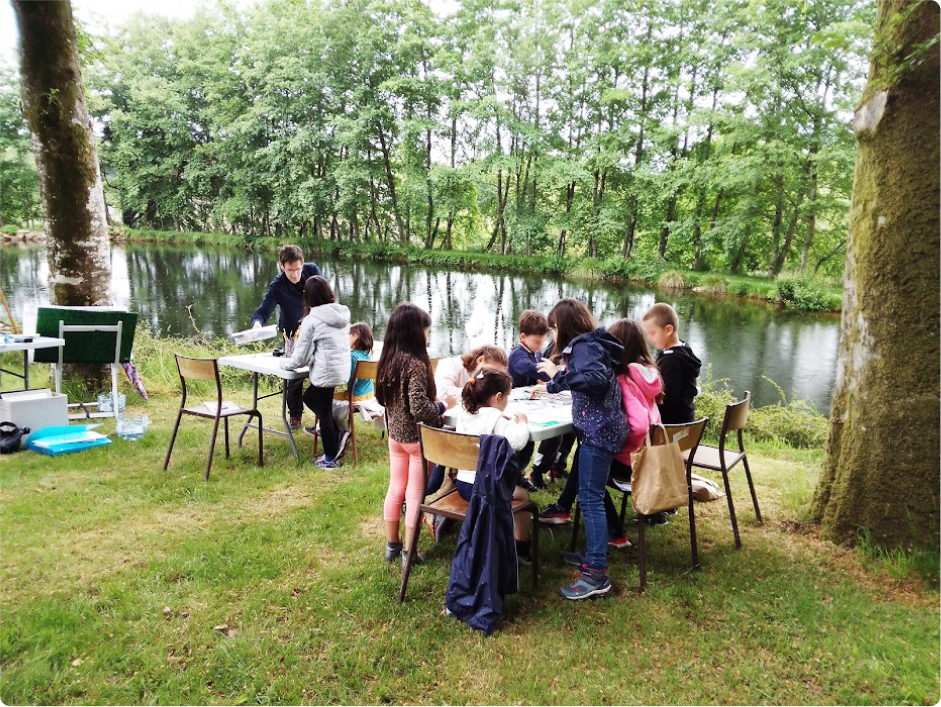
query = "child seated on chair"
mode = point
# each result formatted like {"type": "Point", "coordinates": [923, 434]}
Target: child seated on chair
{"type": "Point", "coordinates": [454, 372]}
{"type": "Point", "coordinates": [361, 343]}
{"type": "Point", "coordinates": [485, 397]}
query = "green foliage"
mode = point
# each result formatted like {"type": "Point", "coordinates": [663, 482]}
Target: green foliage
{"type": "Point", "coordinates": [9, 228]}
{"type": "Point", "coordinates": [801, 292]}
{"type": "Point", "coordinates": [714, 285]}
{"type": "Point", "coordinates": [671, 279]}
{"type": "Point", "coordinates": [19, 183]}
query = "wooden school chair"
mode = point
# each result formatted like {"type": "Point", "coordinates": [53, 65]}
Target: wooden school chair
{"type": "Point", "coordinates": [207, 369]}
{"type": "Point", "coordinates": [364, 370]}
{"type": "Point", "coordinates": [458, 451]}
{"type": "Point", "coordinates": [721, 459]}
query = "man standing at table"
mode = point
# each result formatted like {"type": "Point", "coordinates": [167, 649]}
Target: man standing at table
{"type": "Point", "coordinates": [287, 292]}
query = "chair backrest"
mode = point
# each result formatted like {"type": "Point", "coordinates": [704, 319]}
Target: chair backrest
{"type": "Point", "coordinates": [366, 370]}
{"type": "Point", "coordinates": [736, 414]}
{"type": "Point", "coordinates": [688, 441]}
{"type": "Point", "coordinates": [200, 369]}
{"type": "Point", "coordinates": [434, 365]}
{"type": "Point", "coordinates": [450, 449]}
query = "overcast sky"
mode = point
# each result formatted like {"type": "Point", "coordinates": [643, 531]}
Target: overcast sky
{"type": "Point", "coordinates": [99, 16]}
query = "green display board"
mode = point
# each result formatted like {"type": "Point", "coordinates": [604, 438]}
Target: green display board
{"type": "Point", "coordinates": [85, 347]}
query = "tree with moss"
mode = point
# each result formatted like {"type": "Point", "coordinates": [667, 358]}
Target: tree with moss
{"type": "Point", "coordinates": [881, 471]}
{"type": "Point", "coordinates": [66, 158]}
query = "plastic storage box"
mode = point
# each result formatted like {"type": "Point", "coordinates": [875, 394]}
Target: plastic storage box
{"type": "Point", "coordinates": [35, 409]}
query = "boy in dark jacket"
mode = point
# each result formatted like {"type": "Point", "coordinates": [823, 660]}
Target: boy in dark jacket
{"type": "Point", "coordinates": [286, 292]}
{"type": "Point", "coordinates": [679, 366]}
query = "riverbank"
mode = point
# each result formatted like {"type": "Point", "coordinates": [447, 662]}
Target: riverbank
{"type": "Point", "coordinates": [789, 290]}
{"type": "Point", "coordinates": [125, 584]}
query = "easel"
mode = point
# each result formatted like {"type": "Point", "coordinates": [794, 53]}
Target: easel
{"type": "Point", "coordinates": [115, 329]}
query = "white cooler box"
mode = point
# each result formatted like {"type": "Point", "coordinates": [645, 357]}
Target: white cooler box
{"type": "Point", "coordinates": [34, 409]}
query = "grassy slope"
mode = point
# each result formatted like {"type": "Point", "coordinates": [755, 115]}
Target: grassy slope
{"type": "Point", "coordinates": [115, 573]}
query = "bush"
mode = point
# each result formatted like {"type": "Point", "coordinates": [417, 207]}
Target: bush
{"type": "Point", "coordinates": [671, 279]}
{"type": "Point", "coordinates": [796, 423]}
{"type": "Point", "coordinates": [801, 292]}
{"type": "Point", "coordinates": [10, 229]}
{"type": "Point", "coordinates": [714, 285]}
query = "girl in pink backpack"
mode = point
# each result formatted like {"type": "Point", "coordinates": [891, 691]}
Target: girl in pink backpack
{"type": "Point", "coordinates": [641, 388]}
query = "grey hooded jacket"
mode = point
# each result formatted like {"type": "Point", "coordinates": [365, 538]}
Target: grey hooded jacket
{"type": "Point", "coordinates": [323, 343]}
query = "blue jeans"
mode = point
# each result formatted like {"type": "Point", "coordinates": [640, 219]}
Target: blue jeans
{"type": "Point", "coordinates": [435, 479]}
{"type": "Point", "coordinates": [594, 465]}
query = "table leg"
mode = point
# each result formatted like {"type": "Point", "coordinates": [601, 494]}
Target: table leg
{"type": "Point", "coordinates": [254, 407]}
{"type": "Point", "coordinates": [284, 416]}
{"type": "Point", "coordinates": [25, 370]}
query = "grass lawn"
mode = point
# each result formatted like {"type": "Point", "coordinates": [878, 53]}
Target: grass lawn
{"type": "Point", "coordinates": [115, 573]}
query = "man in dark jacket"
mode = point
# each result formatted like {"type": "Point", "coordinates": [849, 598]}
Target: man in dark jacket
{"type": "Point", "coordinates": [286, 292]}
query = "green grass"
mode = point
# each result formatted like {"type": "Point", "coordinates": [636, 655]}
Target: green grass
{"type": "Point", "coordinates": [790, 290]}
{"type": "Point", "coordinates": [115, 574]}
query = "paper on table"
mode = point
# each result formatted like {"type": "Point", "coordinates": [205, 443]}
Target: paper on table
{"type": "Point", "coordinates": [249, 335]}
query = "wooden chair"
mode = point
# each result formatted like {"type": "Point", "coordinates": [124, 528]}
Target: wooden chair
{"type": "Point", "coordinates": [688, 441]}
{"type": "Point", "coordinates": [434, 365]}
{"type": "Point", "coordinates": [364, 370]}
{"type": "Point", "coordinates": [207, 369]}
{"type": "Point", "coordinates": [720, 459]}
{"type": "Point", "coordinates": [459, 451]}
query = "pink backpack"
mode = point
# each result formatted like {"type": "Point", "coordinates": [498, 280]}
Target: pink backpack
{"type": "Point", "coordinates": [640, 396]}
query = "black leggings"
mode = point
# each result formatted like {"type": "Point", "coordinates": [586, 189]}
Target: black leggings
{"type": "Point", "coordinates": [320, 401]}
{"type": "Point", "coordinates": [570, 493]}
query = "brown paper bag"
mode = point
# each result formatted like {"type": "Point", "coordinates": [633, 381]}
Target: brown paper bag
{"type": "Point", "coordinates": [659, 479]}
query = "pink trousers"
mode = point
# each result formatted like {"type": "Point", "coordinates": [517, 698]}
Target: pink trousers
{"type": "Point", "coordinates": [406, 482]}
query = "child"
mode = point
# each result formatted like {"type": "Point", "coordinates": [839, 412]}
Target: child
{"type": "Point", "coordinates": [323, 344]}
{"type": "Point", "coordinates": [485, 397]}
{"type": "Point", "coordinates": [591, 356]}
{"type": "Point", "coordinates": [534, 327]}
{"type": "Point", "coordinates": [406, 388]}
{"type": "Point", "coordinates": [454, 372]}
{"type": "Point", "coordinates": [361, 343]}
{"type": "Point", "coordinates": [679, 366]}
{"type": "Point", "coordinates": [640, 383]}
{"type": "Point", "coordinates": [286, 292]}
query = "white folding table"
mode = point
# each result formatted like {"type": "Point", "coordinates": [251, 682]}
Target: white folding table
{"type": "Point", "coordinates": [265, 364]}
{"type": "Point", "coordinates": [548, 415]}
{"type": "Point", "coordinates": [38, 342]}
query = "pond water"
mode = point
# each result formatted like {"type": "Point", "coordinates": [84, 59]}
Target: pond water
{"type": "Point", "coordinates": [177, 290]}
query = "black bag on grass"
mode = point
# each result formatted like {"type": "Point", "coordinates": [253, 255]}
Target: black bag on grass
{"type": "Point", "coordinates": [11, 437]}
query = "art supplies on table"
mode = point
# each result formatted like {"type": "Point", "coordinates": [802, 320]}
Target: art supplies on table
{"type": "Point", "coordinates": [249, 336]}
{"type": "Point", "coordinates": [66, 439]}
{"type": "Point", "coordinates": [226, 406]}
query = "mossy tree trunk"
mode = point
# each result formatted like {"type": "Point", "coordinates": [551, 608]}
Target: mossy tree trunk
{"type": "Point", "coordinates": [881, 472]}
{"type": "Point", "coordinates": [66, 158]}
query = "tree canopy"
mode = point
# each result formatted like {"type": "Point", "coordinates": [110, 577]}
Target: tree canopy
{"type": "Point", "coordinates": [714, 134]}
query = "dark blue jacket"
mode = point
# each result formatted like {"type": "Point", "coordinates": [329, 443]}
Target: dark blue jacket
{"type": "Point", "coordinates": [288, 297]}
{"type": "Point", "coordinates": [522, 367]}
{"type": "Point", "coordinates": [597, 406]}
{"type": "Point", "coordinates": [484, 568]}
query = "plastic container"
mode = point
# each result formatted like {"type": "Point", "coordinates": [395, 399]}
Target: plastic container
{"type": "Point", "coordinates": [132, 427]}
{"type": "Point", "coordinates": [105, 403]}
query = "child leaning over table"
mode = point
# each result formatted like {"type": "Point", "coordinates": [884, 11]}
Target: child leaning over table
{"type": "Point", "coordinates": [484, 398]}
{"type": "Point", "coordinates": [361, 343]}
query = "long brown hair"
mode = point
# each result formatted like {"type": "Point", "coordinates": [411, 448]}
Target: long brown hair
{"type": "Point", "coordinates": [488, 382]}
{"type": "Point", "coordinates": [404, 339]}
{"type": "Point", "coordinates": [317, 291]}
{"type": "Point", "coordinates": [628, 332]}
{"type": "Point", "coordinates": [489, 352]}
{"type": "Point", "coordinates": [570, 318]}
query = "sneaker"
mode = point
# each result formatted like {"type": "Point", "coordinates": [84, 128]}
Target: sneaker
{"type": "Point", "coordinates": [322, 463]}
{"type": "Point", "coordinates": [524, 554]}
{"type": "Point", "coordinates": [393, 550]}
{"type": "Point", "coordinates": [439, 525]}
{"type": "Point", "coordinates": [344, 443]}
{"type": "Point", "coordinates": [555, 515]}
{"type": "Point", "coordinates": [312, 430]}
{"type": "Point", "coordinates": [655, 519]}
{"type": "Point", "coordinates": [619, 542]}
{"type": "Point", "coordinates": [537, 482]}
{"type": "Point", "coordinates": [527, 484]}
{"type": "Point", "coordinates": [590, 583]}
{"type": "Point", "coordinates": [419, 558]}
{"type": "Point", "coordinates": [295, 423]}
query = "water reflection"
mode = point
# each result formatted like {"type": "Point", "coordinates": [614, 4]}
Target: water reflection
{"type": "Point", "coordinates": [176, 289]}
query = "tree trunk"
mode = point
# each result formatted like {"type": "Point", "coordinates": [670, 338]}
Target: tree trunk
{"type": "Point", "coordinates": [880, 475]}
{"type": "Point", "coordinates": [390, 181]}
{"type": "Point", "coordinates": [66, 158]}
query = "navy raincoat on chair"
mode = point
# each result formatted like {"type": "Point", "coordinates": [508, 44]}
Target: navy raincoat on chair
{"type": "Point", "coordinates": [484, 568]}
